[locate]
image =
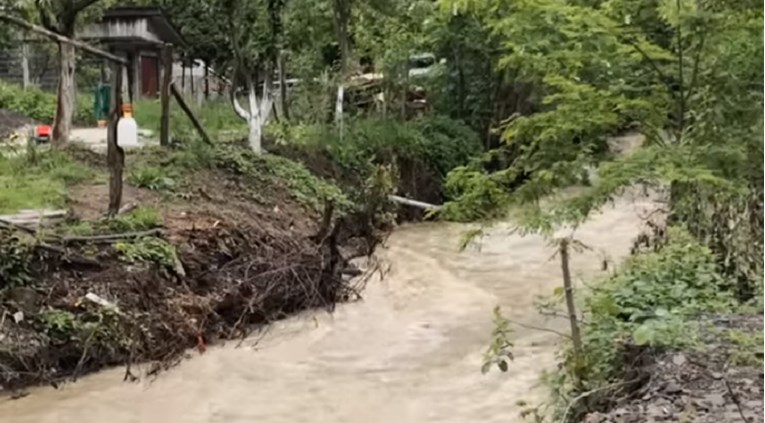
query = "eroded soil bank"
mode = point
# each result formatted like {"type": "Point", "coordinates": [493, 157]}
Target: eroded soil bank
{"type": "Point", "coordinates": [230, 246]}
{"type": "Point", "coordinates": [409, 351]}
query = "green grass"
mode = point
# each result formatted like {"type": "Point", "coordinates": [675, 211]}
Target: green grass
{"type": "Point", "coordinates": [39, 183]}
{"type": "Point", "coordinates": [216, 116]}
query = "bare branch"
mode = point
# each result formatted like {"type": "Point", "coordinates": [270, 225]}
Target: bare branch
{"type": "Point", "coordinates": [539, 328]}
{"type": "Point", "coordinates": [232, 92]}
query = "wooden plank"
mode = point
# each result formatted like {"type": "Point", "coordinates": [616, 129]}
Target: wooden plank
{"type": "Point", "coordinates": [190, 114]}
{"type": "Point", "coordinates": [60, 38]}
{"type": "Point", "coordinates": [167, 79]}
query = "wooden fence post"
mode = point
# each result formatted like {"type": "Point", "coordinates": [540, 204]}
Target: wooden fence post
{"type": "Point", "coordinates": [115, 155]}
{"type": "Point", "coordinates": [167, 79]}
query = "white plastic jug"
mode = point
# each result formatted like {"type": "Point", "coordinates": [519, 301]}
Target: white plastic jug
{"type": "Point", "coordinates": [127, 128]}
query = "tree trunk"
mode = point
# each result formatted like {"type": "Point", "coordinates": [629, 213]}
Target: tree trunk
{"type": "Point", "coordinates": [342, 16]}
{"type": "Point", "coordinates": [207, 81]}
{"type": "Point", "coordinates": [339, 99]}
{"type": "Point", "coordinates": [283, 87]}
{"type": "Point", "coordinates": [569, 293]}
{"type": "Point", "coordinates": [62, 121]}
{"type": "Point", "coordinates": [255, 135]}
{"type": "Point", "coordinates": [25, 66]}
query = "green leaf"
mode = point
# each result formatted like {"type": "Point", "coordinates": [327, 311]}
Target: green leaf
{"type": "Point", "coordinates": [643, 334]}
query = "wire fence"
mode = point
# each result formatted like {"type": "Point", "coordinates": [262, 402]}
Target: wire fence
{"type": "Point", "coordinates": [33, 62]}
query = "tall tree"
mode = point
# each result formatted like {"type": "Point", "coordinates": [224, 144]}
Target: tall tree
{"type": "Point", "coordinates": [255, 31]}
{"type": "Point", "coordinates": [61, 17]}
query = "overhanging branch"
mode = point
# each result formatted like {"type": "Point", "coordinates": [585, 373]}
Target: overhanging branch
{"type": "Point", "coordinates": [62, 39]}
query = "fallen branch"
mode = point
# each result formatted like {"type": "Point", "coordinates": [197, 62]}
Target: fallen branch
{"type": "Point", "coordinates": [413, 203]}
{"type": "Point", "coordinates": [127, 208]}
{"type": "Point", "coordinates": [72, 258]}
{"type": "Point", "coordinates": [110, 237]}
{"type": "Point", "coordinates": [61, 39]}
{"type": "Point", "coordinates": [10, 225]}
{"type": "Point", "coordinates": [197, 125]}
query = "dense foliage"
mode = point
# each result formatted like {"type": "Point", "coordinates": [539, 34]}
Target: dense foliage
{"type": "Point", "coordinates": [40, 105]}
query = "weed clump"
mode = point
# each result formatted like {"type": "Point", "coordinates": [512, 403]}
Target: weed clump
{"type": "Point", "coordinates": [15, 257]}
{"type": "Point", "coordinates": [140, 219]}
{"type": "Point", "coordinates": [148, 250]}
{"type": "Point", "coordinates": [151, 177]}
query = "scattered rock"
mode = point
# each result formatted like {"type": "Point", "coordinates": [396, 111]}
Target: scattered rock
{"type": "Point", "coordinates": [679, 359]}
{"type": "Point", "coordinates": [673, 388]}
{"type": "Point", "coordinates": [714, 400]}
{"type": "Point", "coordinates": [690, 386]}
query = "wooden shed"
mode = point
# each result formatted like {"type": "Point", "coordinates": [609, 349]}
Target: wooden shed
{"type": "Point", "coordinates": [140, 33]}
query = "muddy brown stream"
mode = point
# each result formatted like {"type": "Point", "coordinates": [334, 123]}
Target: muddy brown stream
{"type": "Point", "coordinates": [409, 352]}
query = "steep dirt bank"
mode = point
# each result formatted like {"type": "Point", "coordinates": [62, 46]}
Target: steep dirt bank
{"type": "Point", "coordinates": [227, 250]}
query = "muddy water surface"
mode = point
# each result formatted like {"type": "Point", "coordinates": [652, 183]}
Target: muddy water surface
{"type": "Point", "coordinates": [409, 352]}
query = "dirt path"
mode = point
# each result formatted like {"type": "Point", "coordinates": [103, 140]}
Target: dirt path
{"type": "Point", "coordinates": [409, 353]}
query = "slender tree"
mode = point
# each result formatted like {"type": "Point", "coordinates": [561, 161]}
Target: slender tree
{"type": "Point", "coordinates": [61, 17]}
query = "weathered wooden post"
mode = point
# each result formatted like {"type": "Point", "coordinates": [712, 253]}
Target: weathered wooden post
{"type": "Point", "coordinates": [115, 155]}
{"type": "Point", "coordinates": [167, 79]}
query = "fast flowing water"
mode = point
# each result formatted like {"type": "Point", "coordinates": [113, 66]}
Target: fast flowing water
{"type": "Point", "coordinates": [410, 352]}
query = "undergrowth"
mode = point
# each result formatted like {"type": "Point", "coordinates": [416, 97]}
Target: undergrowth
{"type": "Point", "coordinates": [653, 301]}
{"type": "Point", "coordinates": [140, 219]}
{"type": "Point", "coordinates": [434, 144]}
{"type": "Point", "coordinates": [39, 180]}
{"type": "Point", "coordinates": [152, 177]}
{"type": "Point", "coordinates": [147, 250]}
{"type": "Point", "coordinates": [41, 105]}
{"type": "Point", "coordinates": [15, 257]}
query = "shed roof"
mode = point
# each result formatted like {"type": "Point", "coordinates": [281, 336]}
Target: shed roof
{"type": "Point", "coordinates": [134, 25]}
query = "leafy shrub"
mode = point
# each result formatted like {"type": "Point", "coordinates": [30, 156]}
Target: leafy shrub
{"type": "Point", "coordinates": [473, 194]}
{"type": "Point", "coordinates": [15, 257]}
{"type": "Point", "coordinates": [40, 105]}
{"type": "Point", "coordinates": [438, 143]}
{"type": "Point", "coordinates": [148, 250]}
{"type": "Point", "coordinates": [652, 301]}
{"type": "Point", "coordinates": [140, 219]}
{"type": "Point", "coordinates": [151, 177]}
